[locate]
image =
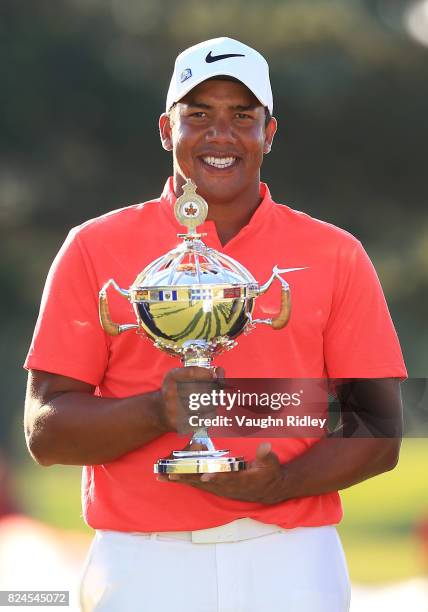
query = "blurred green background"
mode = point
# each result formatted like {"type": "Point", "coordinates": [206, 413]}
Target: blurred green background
{"type": "Point", "coordinates": [82, 85]}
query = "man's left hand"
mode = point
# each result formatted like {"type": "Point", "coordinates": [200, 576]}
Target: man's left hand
{"type": "Point", "coordinates": [262, 482]}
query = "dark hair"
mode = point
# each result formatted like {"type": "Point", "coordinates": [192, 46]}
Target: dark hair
{"type": "Point", "coordinates": [268, 116]}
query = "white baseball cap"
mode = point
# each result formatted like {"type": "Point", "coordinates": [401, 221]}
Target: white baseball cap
{"type": "Point", "coordinates": [220, 57]}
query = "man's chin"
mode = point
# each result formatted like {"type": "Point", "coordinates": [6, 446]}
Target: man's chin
{"type": "Point", "coordinates": [218, 196]}
{"type": "Point", "coordinates": [217, 191]}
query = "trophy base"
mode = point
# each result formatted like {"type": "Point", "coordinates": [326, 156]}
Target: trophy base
{"type": "Point", "coordinates": [204, 463]}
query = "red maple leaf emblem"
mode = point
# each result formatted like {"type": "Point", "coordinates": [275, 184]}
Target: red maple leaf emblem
{"type": "Point", "coordinates": [190, 210]}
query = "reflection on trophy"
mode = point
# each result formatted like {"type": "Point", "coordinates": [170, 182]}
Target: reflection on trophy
{"type": "Point", "coordinates": [193, 302]}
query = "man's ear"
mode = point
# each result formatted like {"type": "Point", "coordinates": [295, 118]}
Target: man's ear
{"type": "Point", "coordinates": [165, 131]}
{"type": "Point", "coordinates": [270, 131]}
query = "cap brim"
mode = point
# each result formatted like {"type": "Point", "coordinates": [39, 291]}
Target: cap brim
{"type": "Point", "coordinates": [197, 82]}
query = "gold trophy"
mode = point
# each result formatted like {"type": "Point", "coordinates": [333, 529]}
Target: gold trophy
{"type": "Point", "coordinates": [193, 302]}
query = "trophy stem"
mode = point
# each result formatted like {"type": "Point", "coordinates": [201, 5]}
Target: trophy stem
{"type": "Point", "coordinates": [200, 455]}
{"type": "Point", "coordinates": [201, 438]}
{"type": "Point", "coordinates": [200, 361]}
{"type": "Point", "coordinates": [198, 353]}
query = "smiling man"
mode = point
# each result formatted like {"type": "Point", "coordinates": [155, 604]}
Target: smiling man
{"type": "Point", "coordinates": [218, 134]}
{"type": "Point", "coordinates": [259, 539]}
{"type": "Point", "coordinates": [219, 130]}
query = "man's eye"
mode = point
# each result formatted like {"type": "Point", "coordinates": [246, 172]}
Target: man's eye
{"type": "Point", "coordinates": [243, 116]}
{"type": "Point", "coordinates": [199, 114]}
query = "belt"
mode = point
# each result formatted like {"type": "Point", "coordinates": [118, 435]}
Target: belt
{"type": "Point", "coordinates": [236, 531]}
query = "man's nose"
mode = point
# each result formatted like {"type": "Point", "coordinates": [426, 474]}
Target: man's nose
{"type": "Point", "coordinates": [221, 130]}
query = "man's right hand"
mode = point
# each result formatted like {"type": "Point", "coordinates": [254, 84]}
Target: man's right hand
{"type": "Point", "coordinates": [66, 424]}
{"type": "Point", "coordinates": [176, 388]}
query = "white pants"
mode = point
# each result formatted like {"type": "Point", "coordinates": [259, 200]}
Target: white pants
{"type": "Point", "coordinates": [297, 570]}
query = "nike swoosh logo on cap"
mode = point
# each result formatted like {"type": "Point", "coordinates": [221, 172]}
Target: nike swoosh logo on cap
{"type": "Point", "coordinates": [215, 58]}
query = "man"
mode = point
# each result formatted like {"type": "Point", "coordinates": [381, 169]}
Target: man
{"type": "Point", "coordinates": [263, 538]}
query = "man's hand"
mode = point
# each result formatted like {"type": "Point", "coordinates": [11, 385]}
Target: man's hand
{"type": "Point", "coordinates": [65, 423]}
{"type": "Point", "coordinates": [175, 390]}
{"type": "Point", "coordinates": [262, 482]}
{"type": "Point", "coordinates": [333, 463]}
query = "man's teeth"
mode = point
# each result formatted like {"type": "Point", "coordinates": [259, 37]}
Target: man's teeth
{"type": "Point", "coordinates": [219, 162]}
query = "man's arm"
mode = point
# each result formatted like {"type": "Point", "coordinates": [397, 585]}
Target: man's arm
{"type": "Point", "coordinates": [65, 423]}
{"type": "Point", "coordinates": [368, 442]}
{"type": "Point", "coordinates": [332, 464]}
{"type": "Point", "coordinates": [336, 464]}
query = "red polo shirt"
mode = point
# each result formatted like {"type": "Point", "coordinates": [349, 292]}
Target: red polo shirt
{"type": "Point", "coordinates": [340, 327]}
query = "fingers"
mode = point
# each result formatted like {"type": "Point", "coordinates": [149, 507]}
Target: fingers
{"type": "Point", "coordinates": [263, 450]}
{"type": "Point", "coordinates": [192, 479]}
{"type": "Point", "coordinates": [179, 385]}
{"type": "Point", "coordinates": [196, 373]}
{"type": "Point", "coordinates": [265, 456]}
{"type": "Point", "coordinates": [219, 373]}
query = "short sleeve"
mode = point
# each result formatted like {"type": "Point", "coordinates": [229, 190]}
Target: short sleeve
{"type": "Point", "coordinates": [359, 339]}
{"type": "Point", "coordinates": [68, 338]}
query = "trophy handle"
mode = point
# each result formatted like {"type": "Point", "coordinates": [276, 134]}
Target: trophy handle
{"type": "Point", "coordinates": [283, 316]}
{"type": "Point", "coordinates": [109, 326]}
